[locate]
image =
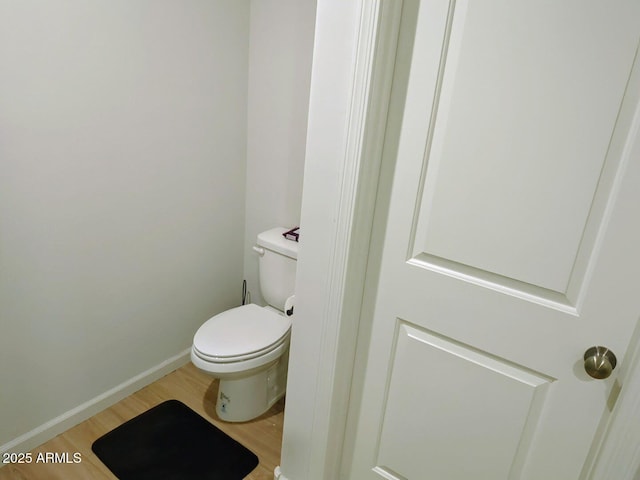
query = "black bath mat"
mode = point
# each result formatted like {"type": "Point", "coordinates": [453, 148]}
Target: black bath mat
{"type": "Point", "coordinates": [172, 442]}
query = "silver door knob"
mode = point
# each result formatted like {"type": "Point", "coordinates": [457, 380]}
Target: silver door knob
{"type": "Point", "coordinates": [599, 362]}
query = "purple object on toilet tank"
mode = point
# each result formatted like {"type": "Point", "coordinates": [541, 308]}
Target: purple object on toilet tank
{"type": "Point", "coordinates": [292, 234]}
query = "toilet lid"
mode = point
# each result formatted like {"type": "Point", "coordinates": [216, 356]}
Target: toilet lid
{"type": "Point", "coordinates": [241, 331]}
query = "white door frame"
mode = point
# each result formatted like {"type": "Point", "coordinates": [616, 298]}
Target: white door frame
{"type": "Point", "coordinates": [354, 54]}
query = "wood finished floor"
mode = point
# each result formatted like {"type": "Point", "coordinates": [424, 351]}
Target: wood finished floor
{"type": "Point", "coordinates": [263, 436]}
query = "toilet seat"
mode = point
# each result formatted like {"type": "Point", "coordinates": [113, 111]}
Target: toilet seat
{"type": "Point", "coordinates": [241, 334]}
{"type": "Point", "coordinates": [240, 358]}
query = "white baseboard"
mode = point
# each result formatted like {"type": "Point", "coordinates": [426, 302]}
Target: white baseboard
{"type": "Point", "coordinates": [277, 474]}
{"type": "Point", "coordinates": [56, 426]}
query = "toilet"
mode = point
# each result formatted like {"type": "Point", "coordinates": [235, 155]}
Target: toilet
{"type": "Point", "coordinates": [247, 347]}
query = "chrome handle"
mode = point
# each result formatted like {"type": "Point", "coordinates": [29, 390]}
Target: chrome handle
{"type": "Point", "coordinates": [599, 362]}
{"type": "Point", "coordinates": [260, 250]}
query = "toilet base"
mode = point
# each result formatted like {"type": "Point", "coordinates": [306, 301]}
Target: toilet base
{"type": "Point", "coordinates": [246, 397]}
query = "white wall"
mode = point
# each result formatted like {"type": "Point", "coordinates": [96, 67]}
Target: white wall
{"type": "Point", "coordinates": [280, 49]}
{"type": "Point", "coordinates": [122, 147]}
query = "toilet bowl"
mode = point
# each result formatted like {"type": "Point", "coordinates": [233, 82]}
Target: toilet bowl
{"type": "Point", "coordinates": [247, 347]}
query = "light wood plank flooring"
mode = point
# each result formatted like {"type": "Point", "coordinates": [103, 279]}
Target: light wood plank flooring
{"type": "Point", "coordinates": [263, 436]}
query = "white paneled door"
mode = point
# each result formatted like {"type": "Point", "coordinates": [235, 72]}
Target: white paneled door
{"type": "Point", "coordinates": [512, 240]}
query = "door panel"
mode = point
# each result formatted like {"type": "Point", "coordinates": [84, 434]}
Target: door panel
{"type": "Point", "coordinates": [518, 91]}
{"type": "Point", "coordinates": [464, 386]}
{"type": "Point", "coordinates": [510, 241]}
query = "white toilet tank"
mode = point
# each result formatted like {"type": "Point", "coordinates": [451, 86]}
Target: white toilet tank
{"type": "Point", "coordinates": [277, 266]}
